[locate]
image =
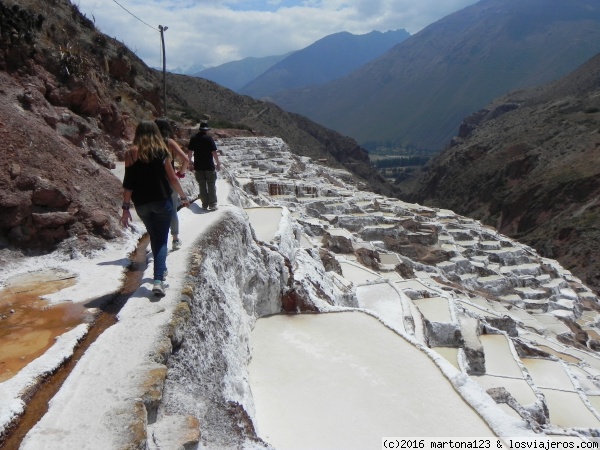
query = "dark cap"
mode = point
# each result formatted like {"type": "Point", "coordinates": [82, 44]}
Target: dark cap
{"type": "Point", "coordinates": [204, 126]}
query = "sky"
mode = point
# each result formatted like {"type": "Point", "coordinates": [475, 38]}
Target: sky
{"type": "Point", "coordinates": [206, 33]}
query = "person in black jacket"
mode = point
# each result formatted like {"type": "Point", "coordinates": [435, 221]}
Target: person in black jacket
{"type": "Point", "coordinates": [149, 176]}
{"type": "Point", "coordinates": [206, 164]}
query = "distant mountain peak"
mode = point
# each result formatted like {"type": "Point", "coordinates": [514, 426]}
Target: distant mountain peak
{"type": "Point", "coordinates": [328, 58]}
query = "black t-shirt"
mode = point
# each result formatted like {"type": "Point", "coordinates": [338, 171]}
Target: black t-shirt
{"type": "Point", "coordinates": [147, 181]}
{"type": "Point", "coordinates": [203, 145]}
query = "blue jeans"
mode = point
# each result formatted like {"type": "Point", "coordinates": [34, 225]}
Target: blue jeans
{"type": "Point", "coordinates": [157, 219]}
{"type": "Point", "coordinates": [174, 217]}
{"type": "Point", "coordinates": [207, 183]}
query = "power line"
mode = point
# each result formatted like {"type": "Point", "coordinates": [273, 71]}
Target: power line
{"type": "Point", "coordinates": [161, 30]}
{"type": "Point", "coordinates": [155, 29]}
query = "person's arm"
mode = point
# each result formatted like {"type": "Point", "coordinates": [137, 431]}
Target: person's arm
{"type": "Point", "coordinates": [130, 158]}
{"type": "Point", "coordinates": [126, 214]}
{"type": "Point", "coordinates": [190, 154]}
{"type": "Point", "coordinates": [215, 156]}
{"type": "Point", "coordinates": [179, 155]}
{"type": "Point", "coordinates": [175, 183]}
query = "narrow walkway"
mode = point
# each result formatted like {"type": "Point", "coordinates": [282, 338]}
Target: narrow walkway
{"type": "Point", "coordinates": [107, 387]}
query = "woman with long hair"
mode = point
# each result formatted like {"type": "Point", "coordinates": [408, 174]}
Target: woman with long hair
{"type": "Point", "coordinates": [149, 176]}
{"type": "Point", "coordinates": [176, 154]}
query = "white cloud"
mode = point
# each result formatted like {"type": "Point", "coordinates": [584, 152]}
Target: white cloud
{"type": "Point", "coordinates": [214, 32]}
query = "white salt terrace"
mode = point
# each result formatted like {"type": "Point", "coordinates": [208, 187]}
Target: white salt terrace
{"type": "Point", "coordinates": [340, 232]}
{"type": "Point", "coordinates": [551, 323]}
{"type": "Point", "coordinates": [509, 262]}
{"type": "Point", "coordinates": [265, 222]}
{"type": "Point", "coordinates": [548, 374]}
{"type": "Point", "coordinates": [435, 309]}
{"type": "Point", "coordinates": [389, 258]}
{"type": "Point", "coordinates": [358, 274]}
{"type": "Point", "coordinates": [339, 376]}
{"type": "Point", "coordinates": [519, 388]}
{"type": "Point", "coordinates": [362, 368]}
{"type": "Point", "coordinates": [383, 300]}
{"type": "Point", "coordinates": [568, 410]}
{"type": "Point", "coordinates": [323, 346]}
{"type": "Point", "coordinates": [415, 285]}
{"type": "Point", "coordinates": [450, 354]}
{"type": "Point", "coordinates": [484, 311]}
{"type": "Point", "coordinates": [502, 361]}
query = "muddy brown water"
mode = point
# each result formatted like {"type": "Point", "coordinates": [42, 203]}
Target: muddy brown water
{"type": "Point", "coordinates": [29, 326]}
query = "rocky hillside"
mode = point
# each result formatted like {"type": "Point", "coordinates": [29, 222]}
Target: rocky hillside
{"type": "Point", "coordinates": [69, 95]}
{"type": "Point", "coordinates": [71, 98]}
{"type": "Point", "coordinates": [528, 164]}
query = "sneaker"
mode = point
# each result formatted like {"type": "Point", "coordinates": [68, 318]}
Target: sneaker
{"type": "Point", "coordinates": [213, 207]}
{"type": "Point", "coordinates": [158, 289]}
{"type": "Point", "coordinates": [165, 275]}
{"type": "Point", "coordinates": [176, 244]}
{"type": "Point", "coordinates": [204, 206]}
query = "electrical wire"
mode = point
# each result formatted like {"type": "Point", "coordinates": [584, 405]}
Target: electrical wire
{"type": "Point", "coordinates": [155, 29]}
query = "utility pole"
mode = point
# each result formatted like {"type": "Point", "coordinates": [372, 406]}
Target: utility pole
{"type": "Point", "coordinates": [162, 40]}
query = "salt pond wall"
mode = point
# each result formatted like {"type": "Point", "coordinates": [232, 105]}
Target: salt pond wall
{"type": "Point", "coordinates": [232, 282]}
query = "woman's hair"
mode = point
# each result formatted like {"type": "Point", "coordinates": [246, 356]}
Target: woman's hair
{"type": "Point", "coordinates": [165, 128]}
{"type": "Point", "coordinates": [149, 141]}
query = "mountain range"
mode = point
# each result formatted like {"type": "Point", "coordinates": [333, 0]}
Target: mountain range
{"type": "Point", "coordinates": [235, 74]}
{"type": "Point", "coordinates": [417, 93]}
{"type": "Point", "coordinates": [327, 59]}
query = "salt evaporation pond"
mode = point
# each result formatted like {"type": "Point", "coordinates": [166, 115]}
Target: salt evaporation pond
{"type": "Point", "coordinates": [265, 222]}
{"type": "Point", "coordinates": [344, 380]}
{"type": "Point", "coordinates": [499, 359]}
{"type": "Point", "coordinates": [383, 300]}
{"type": "Point", "coordinates": [357, 273]}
